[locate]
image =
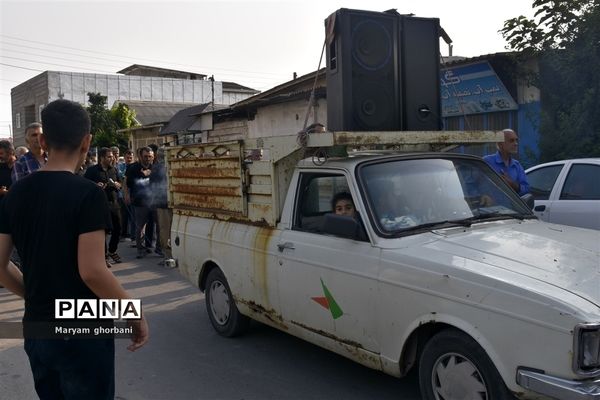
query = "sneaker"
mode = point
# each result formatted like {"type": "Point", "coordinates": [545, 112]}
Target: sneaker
{"type": "Point", "coordinates": [140, 254]}
{"type": "Point", "coordinates": [159, 252]}
{"type": "Point", "coordinates": [115, 257]}
{"type": "Point", "coordinates": [148, 250]}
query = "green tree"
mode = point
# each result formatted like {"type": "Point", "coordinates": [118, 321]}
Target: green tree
{"type": "Point", "coordinates": [564, 36]}
{"type": "Point", "coordinates": [105, 122]}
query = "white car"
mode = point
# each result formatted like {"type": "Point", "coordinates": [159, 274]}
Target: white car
{"type": "Point", "coordinates": [567, 192]}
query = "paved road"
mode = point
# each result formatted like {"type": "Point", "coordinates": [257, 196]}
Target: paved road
{"type": "Point", "coordinates": [186, 359]}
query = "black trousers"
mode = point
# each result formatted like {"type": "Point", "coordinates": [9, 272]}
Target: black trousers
{"type": "Point", "coordinates": [72, 369]}
{"type": "Point", "coordinates": [115, 216]}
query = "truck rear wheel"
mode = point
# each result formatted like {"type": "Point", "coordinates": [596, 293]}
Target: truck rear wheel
{"type": "Point", "coordinates": [453, 366]}
{"type": "Point", "coordinates": [220, 305]}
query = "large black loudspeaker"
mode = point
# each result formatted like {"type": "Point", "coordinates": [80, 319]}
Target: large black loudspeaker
{"type": "Point", "coordinates": [362, 68]}
{"type": "Point", "coordinates": [420, 83]}
{"type": "Point", "coordinates": [382, 72]}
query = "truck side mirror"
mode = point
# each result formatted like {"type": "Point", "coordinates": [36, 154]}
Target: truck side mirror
{"type": "Point", "coordinates": [529, 200]}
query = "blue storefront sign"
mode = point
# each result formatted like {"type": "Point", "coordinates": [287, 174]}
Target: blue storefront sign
{"type": "Point", "coordinates": [473, 89]}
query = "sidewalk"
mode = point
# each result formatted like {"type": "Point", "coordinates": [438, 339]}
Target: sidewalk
{"type": "Point", "coordinates": [161, 289]}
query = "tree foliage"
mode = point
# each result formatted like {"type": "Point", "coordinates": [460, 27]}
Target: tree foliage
{"type": "Point", "coordinates": [565, 38]}
{"type": "Point", "coordinates": [105, 122]}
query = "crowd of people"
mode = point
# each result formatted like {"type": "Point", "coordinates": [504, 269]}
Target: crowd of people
{"type": "Point", "coordinates": [135, 188]}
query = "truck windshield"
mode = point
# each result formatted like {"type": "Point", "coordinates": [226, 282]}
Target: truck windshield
{"type": "Point", "coordinates": [413, 195]}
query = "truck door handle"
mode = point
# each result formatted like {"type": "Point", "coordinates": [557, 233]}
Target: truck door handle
{"type": "Point", "coordinates": [539, 208]}
{"type": "Point", "coordinates": [286, 245]}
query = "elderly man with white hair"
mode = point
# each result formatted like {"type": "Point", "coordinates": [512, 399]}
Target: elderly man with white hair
{"type": "Point", "coordinates": [506, 166]}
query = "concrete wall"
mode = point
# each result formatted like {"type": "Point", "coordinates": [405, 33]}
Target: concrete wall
{"type": "Point", "coordinates": [52, 85]}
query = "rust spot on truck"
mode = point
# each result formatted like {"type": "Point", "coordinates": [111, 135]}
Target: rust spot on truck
{"type": "Point", "coordinates": [206, 172]}
{"type": "Point", "coordinates": [206, 190]}
{"type": "Point", "coordinates": [354, 349]}
{"type": "Point", "coordinates": [262, 237]}
{"type": "Point", "coordinates": [269, 314]}
{"type": "Point", "coordinates": [343, 138]}
{"type": "Point", "coordinates": [209, 202]}
{"type": "Point", "coordinates": [329, 335]}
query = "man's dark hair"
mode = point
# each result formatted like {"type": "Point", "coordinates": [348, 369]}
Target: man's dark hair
{"type": "Point", "coordinates": [128, 152]}
{"type": "Point", "coordinates": [65, 124]}
{"type": "Point", "coordinates": [103, 152]}
{"type": "Point", "coordinates": [7, 146]}
{"type": "Point", "coordinates": [153, 146]}
{"type": "Point", "coordinates": [341, 196]}
{"type": "Point", "coordinates": [146, 149]}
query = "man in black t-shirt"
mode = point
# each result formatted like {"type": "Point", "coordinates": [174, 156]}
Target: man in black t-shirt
{"type": "Point", "coordinates": [60, 237]}
{"type": "Point", "coordinates": [105, 175]}
{"type": "Point", "coordinates": [7, 161]}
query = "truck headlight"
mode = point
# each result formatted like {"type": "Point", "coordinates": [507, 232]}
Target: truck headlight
{"type": "Point", "coordinates": [586, 360]}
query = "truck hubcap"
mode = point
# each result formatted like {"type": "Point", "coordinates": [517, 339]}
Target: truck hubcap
{"type": "Point", "coordinates": [219, 302]}
{"type": "Point", "coordinates": [454, 378]}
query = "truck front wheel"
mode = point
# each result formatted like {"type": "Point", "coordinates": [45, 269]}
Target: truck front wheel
{"type": "Point", "coordinates": [220, 305]}
{"type": "Point", "coordinates": [453, 366]}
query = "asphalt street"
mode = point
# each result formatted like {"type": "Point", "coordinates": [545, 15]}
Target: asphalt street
{"type": "Point", "coordinates": [186, 359]}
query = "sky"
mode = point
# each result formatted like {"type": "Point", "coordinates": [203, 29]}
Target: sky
{"type": "Point", "coordinates": [258, 44]}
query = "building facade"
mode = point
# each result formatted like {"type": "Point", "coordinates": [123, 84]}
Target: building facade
{"type": "Point", "coordinates": [140, 83]}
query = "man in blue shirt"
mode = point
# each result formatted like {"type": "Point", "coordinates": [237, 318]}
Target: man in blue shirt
{"type": "Point", "coordinates": [506, 166]}
{"type": "Point", "coordinates": [35, 158]}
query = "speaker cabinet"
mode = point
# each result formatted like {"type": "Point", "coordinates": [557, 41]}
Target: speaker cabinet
{"type": "Point", "coordinates": [420, 84]}
{"type": "Point", "coordinates": [362, 68]}
{"type": "Point", "coordinates": [382, 72]}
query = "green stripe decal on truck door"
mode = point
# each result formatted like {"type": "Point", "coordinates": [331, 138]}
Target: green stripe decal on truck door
{"type": "Point", "coordinates": [335, 309]}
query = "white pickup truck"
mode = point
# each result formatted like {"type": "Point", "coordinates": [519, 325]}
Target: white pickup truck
{"type": "Point", "coordinates": [442, 267]}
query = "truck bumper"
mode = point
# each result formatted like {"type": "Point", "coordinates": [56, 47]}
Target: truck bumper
{"type": "Point", "coordinates": [559, 388]}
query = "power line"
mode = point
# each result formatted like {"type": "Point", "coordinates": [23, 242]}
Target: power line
{"type": "Point", "coordinates": [236, 76]}
{"type": "Point", "coordinates": [16, 66]}
{"type": "Point", "coordinates": [137, 58]}
{"type": "Point", "coordinates": [58, 65]}
{"type": "Point", "coordinates": [42, 56]}
{"type": "Point", "coordinates": [63, 59]}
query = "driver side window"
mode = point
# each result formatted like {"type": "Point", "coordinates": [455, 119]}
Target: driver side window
{"type": "Point", "coordinates": [315, 203]}
{"type": "Point", "coordinates": [314, 199]}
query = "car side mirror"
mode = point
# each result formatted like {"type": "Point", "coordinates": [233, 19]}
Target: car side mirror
{"type": "Point", "coordinates": [342, 225]}
{"type": "Point", "coordinates": [529, 200]}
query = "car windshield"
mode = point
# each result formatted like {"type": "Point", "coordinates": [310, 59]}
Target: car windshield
{"type": "Point", "coordinates": [428, 193]}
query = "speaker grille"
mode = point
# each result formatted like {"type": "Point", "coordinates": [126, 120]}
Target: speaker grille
{"type": "Point", "coordinates": [371, 45]}
{"type": "Point", "coordinates": [373, 105]}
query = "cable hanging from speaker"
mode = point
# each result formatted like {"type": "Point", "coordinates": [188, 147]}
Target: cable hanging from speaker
{"type": "Point", "coordinates": [302, 138]}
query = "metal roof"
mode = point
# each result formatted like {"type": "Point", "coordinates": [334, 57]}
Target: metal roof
{"type": "Point", "coordinates": [236, 87]}
{"type": "Point", "coordinates": [154, 112]}
{"type": "Point", "coordinates": [146, 70]}
{"type": "Point", "coordinates": [183, 120]}
{"type": "Point", "coordinates": [284, 89]}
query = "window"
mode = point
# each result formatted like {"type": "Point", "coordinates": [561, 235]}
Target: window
{"type": "Point", "coordinates": [18, 120]}
{"type": "Point", "coordinates": [582, 183]}
{"type": "Point", "coordinates": [314, 199]}
{"type": "Point", "coordinates": [541, 181]}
